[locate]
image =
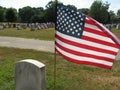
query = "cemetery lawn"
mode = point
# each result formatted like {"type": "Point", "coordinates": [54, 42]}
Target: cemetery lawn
{"type": "Point", "coordinates": [70, 76]}
{"type": "Point", "coordinates": [116, 32]}
{"type": "Point", "coordinates": [43, 34]}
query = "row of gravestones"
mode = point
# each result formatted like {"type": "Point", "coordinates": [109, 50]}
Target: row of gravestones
{"type": "Point", "coordinates": [21, 26]}
{"type": "Point", "coordinates": [8, 25]}
{"type": "Point", "coordinates": [39, 26]}
{"type": "Point", "coordinates": [32, 26]}
{"type": "Point", "coordinates": [3, 26]}
{"type": "Point", "coordinates": [109, 26]}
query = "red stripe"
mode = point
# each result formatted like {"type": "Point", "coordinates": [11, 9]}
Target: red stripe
{"type": "Point", "coordinates": [99, 41]}
{"type": "Point", "coordinates": [96, 40]}
{"type": "Point", "coordinates": [109, 34]}
{"type": "Point", "coordinates": [84, 54]}
{"type": "Point", "coordinates": [89, 21]}
{"type": "Point", "coordinates": [95, 31]}
{"type": "Point", "coordinates": [85, 62]}
{"type": "Point", "coordinates": [85, 46]}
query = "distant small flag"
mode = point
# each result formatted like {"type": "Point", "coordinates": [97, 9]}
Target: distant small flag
{"type": "Point", "coordinates": [81, 39]}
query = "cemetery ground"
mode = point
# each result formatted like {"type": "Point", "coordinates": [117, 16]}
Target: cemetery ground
{"type": "Point", "coordinates": [43, 34]}
{"type": "Point", "coordinates": [70, 76]}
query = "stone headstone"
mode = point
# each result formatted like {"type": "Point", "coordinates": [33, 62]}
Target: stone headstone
{"type": "Point", "coordinates": [1, 27]}
{"type": "Point", "coordinates": [29, 75]}
{"type": "Point", "coordinates": [19, 27]}
{"type": "Point", "coordinates": [108, 26]}
{"type": "Point", "coordinates": [24, 25]}
{"type": "Point", "coordinates": [118, 56]}
{"type": "Point", "coordinates": [118, 26]}
{"type": "Point", "coordinates": [32, 27]}
{"type": "Point", "coordinates": [38, 27]}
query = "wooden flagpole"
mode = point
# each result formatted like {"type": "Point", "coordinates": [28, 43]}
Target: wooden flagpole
{"type": "Point", "coordinates": [55, 71]}
{"type": "Point", "coordinates": [55, 50]}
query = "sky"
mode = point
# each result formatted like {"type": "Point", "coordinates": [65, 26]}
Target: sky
{"type": "Point", "coordinates": [114, 4]}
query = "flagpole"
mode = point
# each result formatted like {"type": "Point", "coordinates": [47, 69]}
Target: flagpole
{"type": "Point", "coordinates": [55, 71]}
{"type": "Point", "coordinates": [54, 49]}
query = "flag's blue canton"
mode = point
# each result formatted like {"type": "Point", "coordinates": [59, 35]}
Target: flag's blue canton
{"type": "Point", "coordinates": [70, 21]}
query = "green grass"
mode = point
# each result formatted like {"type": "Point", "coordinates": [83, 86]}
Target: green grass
{"type": "Point", "coordinates": [70, 76]}
{"type": "Point", "coordinates": [116, 32]}
{"type": "Point", "coordinates": [44, 34]}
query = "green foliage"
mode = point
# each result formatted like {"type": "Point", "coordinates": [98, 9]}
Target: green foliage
{"type": "Point", "coordinates": [72, 6]}
{"type": "Point", "coordinates": [50, 12]}
{"type": "Point", "coordinates": [38, 16]}
{"type": "Point", "coordinates": [99, 11]}
{"type": "Point", "coordinates": [26, 13]}
{"type": "Point", "coordinates": [35, 18]}
{"type": "Point", "coordinates": [1, 15]}
{"type": "Point", "coordinates": [84, 10]}
{"type": "Point", "coordinates": [118, 12]}
{"type": "Point", "coordinates": [11, 15]}
{"type": "Point", "coordinates": [118, 16]}
{"type": "Point", "coordinates": [113, 17]}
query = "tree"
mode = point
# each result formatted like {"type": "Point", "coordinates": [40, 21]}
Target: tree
{"type": "Point", "coordinates": [39, 15]}
{"type": "Point", "coordinates": [35, 18]}
{"type": "Point", "coordinates": [72, 6]}
{"type": "Point", "coordinates": [11, 15]}
{"type": "Point", "coordinates": [99, 11]}
{"type": "Point", "coordinates": [26, 14]}
{"type": "Point", "coordinates": [84, 10]}
{"type": "Point", "coordinates": [50, 12]}
{"type": "Point", "coordinates": [118, 13]}
{"type": "Point", "coordinates": [2, 14]}
{"type": "Point", "coordinates": [113, 17]}
{"type": "Point", "coordinates": [118, 16]}
{"type": "Point", "coordinates": [39, 10]}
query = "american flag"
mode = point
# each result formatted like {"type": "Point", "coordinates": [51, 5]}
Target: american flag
{"type": "Point", "coordinates": [83, 40]}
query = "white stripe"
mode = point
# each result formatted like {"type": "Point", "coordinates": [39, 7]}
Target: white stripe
{"type": "Point", "coordinates": [83, 50]}
{"type": "Point", "coordinates": [87, 42]}
{"type": "Point", "coordinates": [92, 27]}
{"type": "Point", "coordinates": [99, 37]}
{"type": "Point", "coordinates": [84, 58]}
{"type": "Point", "coordinates": [108, 31]}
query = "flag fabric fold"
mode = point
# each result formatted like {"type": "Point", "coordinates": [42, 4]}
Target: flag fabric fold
{"type": "Point", "coordinates": [83, 40]}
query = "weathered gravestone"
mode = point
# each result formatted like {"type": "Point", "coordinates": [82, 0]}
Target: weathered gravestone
{"type": "Point", "coordinates": [118, 26]}
{"type": "Point", "coordinates": [118, 56]}
{"type": "Point", "coordinates": [32, 27]}
{"type": "Point", "coordinates": [29, 75]}
{"type": "Point", "coordinates": [108, 26]}
{"type": "Point", "coordinates": [19, 27]}
{"type": "Point", "coordinates": [1, 27]}
{"type": "Point", "coordinates": [39, 27]}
